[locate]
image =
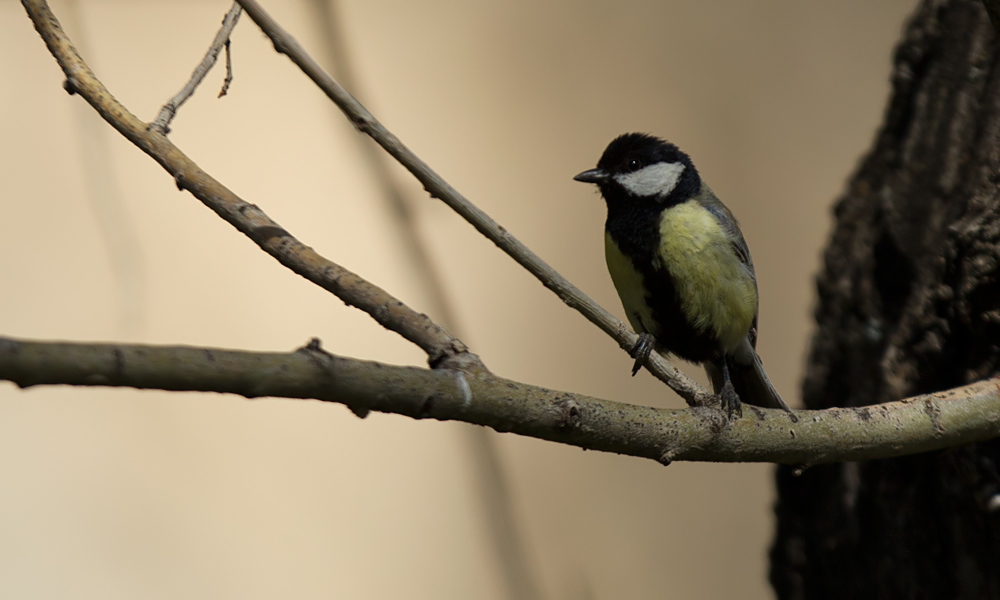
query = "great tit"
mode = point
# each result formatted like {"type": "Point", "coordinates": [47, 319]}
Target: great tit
{"type": "Point", "coordinates": [681, 266]}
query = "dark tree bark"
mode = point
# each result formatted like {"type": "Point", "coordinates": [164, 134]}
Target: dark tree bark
{"type": "Point", "coordinates": [909, 303]}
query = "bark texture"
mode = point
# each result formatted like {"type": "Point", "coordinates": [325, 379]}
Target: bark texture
{"type": "Point", "coordinates": [909, 303]}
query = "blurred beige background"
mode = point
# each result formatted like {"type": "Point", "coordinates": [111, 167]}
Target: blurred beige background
{"type": "Point", "coordinates": [126, 494]}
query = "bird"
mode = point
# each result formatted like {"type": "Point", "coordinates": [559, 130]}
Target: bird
{"type": "Point", "coordinates": [681, 267]}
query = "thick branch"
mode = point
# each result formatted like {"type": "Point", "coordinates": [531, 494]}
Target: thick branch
{"type": "Point", "coordinates": [439, 188]}
{"type": "Point", "coordinates": [392, 314]}
{"type": "Point", "coordinates": [804, 437]}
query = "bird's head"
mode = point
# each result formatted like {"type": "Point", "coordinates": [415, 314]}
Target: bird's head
{"type": "Point", "coordinates": [638, 166]}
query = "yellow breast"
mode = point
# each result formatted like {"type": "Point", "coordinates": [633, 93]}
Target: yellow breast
{"type": "Point", "coordinates": [715, 290]}
{"type": "Point", "coordinates": [629, 284]}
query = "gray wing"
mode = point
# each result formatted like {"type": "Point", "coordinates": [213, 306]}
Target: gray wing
{"type": "Point", "coordinates": [731, 226]}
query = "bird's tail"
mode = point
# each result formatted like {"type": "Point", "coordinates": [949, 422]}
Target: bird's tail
{"type": "Point", "coordinates": [748, 377]}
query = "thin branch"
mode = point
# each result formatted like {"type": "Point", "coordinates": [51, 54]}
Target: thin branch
{"type": "Point", "coordinates": [402, 213]}
{"type": "Point", "coordinates": [803, 437]}
{"type": "Point", "coordinates": [440, 346]}
{"type": "Point", "coordinates": [439, 188]}
{"type": "Point", "coordinates": [498, 508]}
{"type": "Point", "coordinates": [229, 71]}
{"type": "Point", "coordinates": [161, 124]}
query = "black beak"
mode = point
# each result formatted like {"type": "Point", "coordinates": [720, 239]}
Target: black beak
{"type": "Point", "coordinates": [592, 176]}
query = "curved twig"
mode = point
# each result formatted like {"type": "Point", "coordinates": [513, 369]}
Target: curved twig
{"type": "Point", "coordinates": [161, 124]}
{"type": "Point", "coordinates": [802, 437]}
{"type": "Point", "coordinates": [440, 346]}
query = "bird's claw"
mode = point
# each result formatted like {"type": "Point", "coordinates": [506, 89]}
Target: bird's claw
{"type": "Point", "coordinates": [730, 401]}
{"type": "Point", "coordinates": [641, 351]}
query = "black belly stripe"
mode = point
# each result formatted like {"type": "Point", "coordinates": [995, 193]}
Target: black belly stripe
{"type": "Point", "coordinates": [674, 331]}
{"type": "Point", "coordinates": [634, 227]}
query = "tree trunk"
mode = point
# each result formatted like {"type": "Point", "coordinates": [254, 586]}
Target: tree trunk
{"type": "Point", "coordinates": [909, 303]}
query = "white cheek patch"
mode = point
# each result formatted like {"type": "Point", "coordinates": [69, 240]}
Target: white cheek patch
{"type": "Point", "coordinates": [654, 180]}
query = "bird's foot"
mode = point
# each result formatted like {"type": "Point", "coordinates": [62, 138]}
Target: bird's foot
{"type": "Point", "coordinates": [641, 351]}
{"type": "Point", "coordinates": [730, 400]}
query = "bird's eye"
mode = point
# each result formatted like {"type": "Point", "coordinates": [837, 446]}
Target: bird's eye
{"type": "Point", "coordinates": [635, 164]}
